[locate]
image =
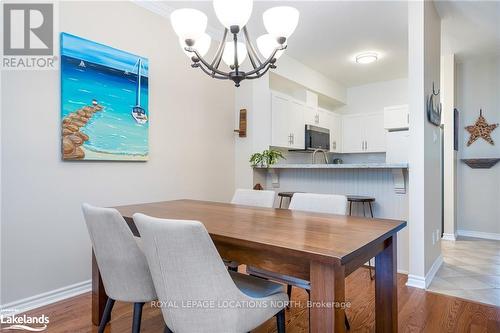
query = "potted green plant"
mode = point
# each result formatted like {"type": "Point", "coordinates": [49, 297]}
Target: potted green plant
{"type": "Point", "coordinates": [265, 159]}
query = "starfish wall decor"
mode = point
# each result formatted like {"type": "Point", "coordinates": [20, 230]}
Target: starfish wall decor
{"type": "Point", "coordinates": [481, 129]}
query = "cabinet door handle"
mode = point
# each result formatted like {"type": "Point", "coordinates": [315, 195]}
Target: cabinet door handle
{"type": "Point", "coordinates": [366, 145]}
{"type": "Point", "coordinates": [334, 145]}
{"type": "Point", "coordinates": [408, 119]}
{"type": "Point", "coordinates": [293, 138]}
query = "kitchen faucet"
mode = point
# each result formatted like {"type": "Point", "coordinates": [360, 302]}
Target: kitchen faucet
{"type": "Point", "coordinates": [314, 155]}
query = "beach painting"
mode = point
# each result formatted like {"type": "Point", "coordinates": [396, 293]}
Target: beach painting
{"type": "Point", "coordinates": [104, 102]}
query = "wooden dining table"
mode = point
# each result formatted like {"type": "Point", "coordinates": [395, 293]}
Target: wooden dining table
{"type": "Point", "coordinates": [321, 248]}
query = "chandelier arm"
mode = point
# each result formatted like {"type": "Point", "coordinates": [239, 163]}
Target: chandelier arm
{"type": "Point", "coordinates": [251, 48]}
{"type": "Point", "coordinates": [217, 63]}
{"type": "Point", "coordinates": [252, 60]}
{"type": "Point", "coordinates": [268, 61]}
{"type": "Point", "coordinates": [220, 77]}
{"type": "Point", "coordinates": [207, 65]}
{"type": "Point", "coordinates": [258, 75]}
{"type": "Point", "coordinates": [220, 50]}
{"type": "Point", "coordinates": [250, 56]}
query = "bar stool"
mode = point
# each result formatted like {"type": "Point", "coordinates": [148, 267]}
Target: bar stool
{"type": "Point", "coordinates": [288, 195]}
{"type": "Point", "coordinates": [362, 199]}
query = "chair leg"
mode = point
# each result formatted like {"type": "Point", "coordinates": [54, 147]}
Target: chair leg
{"type": "Point", "coordinates": [280, 321]}
{"type": "Point", "coordinates": [233, 269]}
{"type": "Point", "coordinates": [370, 269]}
{"type": "Point", "coordinates": [289, 293]}
{"type": "Point", "coordinates": [136, 323]}
{"type": "Point", "coordinates": [167, 330]}
{"type": "Point", "coordinates": [346, 321]}
{"type": "Point", "coordinates": [106, 316]}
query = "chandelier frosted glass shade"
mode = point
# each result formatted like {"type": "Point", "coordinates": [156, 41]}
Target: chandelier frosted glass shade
{"type": "Point", "coordinates": [188, 23]}
{"type": "Point", "coordinates": [233, 12]}
{"type": "Point", "coordinates": [267, 44]}
{"type": "Point", "coordinates": [281, 21]}
{"type": "Point", "coordinates": [202, 45]}
{"type": "Point", "coordinates": [228, 55]}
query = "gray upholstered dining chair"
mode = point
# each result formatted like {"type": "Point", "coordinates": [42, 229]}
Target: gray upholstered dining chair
{"type": "Point", "coordinates": [256, 198]}
{"type": "Point", "coordinates": [186, 267]}
{"type": "Point", "coordinates": [309, 202]}
{"type": "Point", "coordinates": [123, 266]}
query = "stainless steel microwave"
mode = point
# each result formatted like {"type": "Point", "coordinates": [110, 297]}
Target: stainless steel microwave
{"type": "Point", "coordinates": [317, 138]}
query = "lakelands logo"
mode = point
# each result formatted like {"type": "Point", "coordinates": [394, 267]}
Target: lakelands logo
{"type": "Point", "coordinates": [28, 36]}
{"type": "Point", "coordinates": [24, 322]}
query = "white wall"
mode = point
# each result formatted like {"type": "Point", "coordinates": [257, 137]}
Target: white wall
{"type": "Point", "coordinates": [294, 70]}
{"type": "Point", "coordinates": [449, 153]}
{"type": "Point", "coordinates": [374, 97]}
{"type": "Point", "coordinates": [44, 240]}
{"type": "Point", "coordinates": [424, 167]}
{"type": "Point", "coordinates": [478, 87]}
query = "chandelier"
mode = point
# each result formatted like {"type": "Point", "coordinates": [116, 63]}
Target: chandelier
{"type": "Point", "coordinates": [190, 25]}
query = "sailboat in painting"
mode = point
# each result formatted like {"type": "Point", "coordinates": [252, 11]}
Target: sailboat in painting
{"type": "Point", "coordinates": [137, 111]}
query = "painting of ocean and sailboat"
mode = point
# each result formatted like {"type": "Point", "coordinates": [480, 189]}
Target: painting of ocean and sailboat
{"type": "Point", "coordinates": [104, 102]}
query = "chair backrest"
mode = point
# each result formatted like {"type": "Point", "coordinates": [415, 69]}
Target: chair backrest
{"type": "Point", "coordinates": [123, 266]}
{"type": "Point", "coordinates": [319, 203]}
{"type": "Point", "coordinates": [256, 198]}
{"type": "Point", "coordinates": [186, 266]}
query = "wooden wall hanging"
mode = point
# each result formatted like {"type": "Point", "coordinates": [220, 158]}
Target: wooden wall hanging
{"type": "Point", "coordinates": [242, 131]}
{"type": "Point", "coordinates": [481, 129]}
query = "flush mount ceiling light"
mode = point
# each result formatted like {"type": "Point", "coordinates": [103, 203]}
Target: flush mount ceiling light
{"type": "Point", "coordinates": [190, 25]}
{"type": "Point", "coordinates": [366, 58]}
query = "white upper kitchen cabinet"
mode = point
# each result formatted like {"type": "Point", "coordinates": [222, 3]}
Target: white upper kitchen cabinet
{"type": "Point", "coordinates": [317, 117]}
{"type": "Point", "coordinates": [363, 133]}
{"type": "Point", "coordinates": [287, 122]}
{"type": "Point", "coordinates": [335, 132]}
{"type": "Point", "coordinates": [297, 125]}
{"type": "Point", "coordinates": [311, 116]}
{"type": "Point", "coordinates": [352, 134]}
{"type": "Point", "coordinates": [281, 134]}
{"type": "Point", "coordinates": [375, 134]}
{"type": "Point", "coordinates": [396, 118]}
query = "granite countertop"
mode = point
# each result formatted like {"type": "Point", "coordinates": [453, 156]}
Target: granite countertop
{"type": "Point", "coordinates": [339, 166]}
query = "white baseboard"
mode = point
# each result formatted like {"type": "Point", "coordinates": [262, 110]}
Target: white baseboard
{"type": "Point", "coordinates": [479, 234]}
{"type": "Point", "coordinates": [449, 237]}
{"type": "Point", "coordinates": [432, 272]}
{"type": "Point", "coordinates": [416, 281]}
{"type": "Point", "coordinates": [424, 282]}
{"type": "Point", "coordinates": [46, 298]}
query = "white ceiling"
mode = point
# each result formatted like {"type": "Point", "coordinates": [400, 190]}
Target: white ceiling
{"type": "Point", "coordinates": [470, 29]}
{"type": "Point", "coordinates": [331, 33]}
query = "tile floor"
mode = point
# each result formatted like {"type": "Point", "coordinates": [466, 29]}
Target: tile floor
{"type": "Point", "coordinates": [471, 270]}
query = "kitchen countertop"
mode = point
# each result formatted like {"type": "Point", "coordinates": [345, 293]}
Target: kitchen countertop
{"type": "Point", "coordinates": [339, 166]}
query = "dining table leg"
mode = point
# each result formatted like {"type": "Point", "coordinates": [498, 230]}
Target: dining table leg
{"type": "Point", "coordinates": [386, 288]}
{"type": "Point", "coordinates": [99, 296]}
{"type": "Point", "coordinates": [327, 298]}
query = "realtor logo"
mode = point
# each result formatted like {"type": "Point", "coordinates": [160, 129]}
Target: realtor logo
{"type": "Point", "coordinates": [28, 36]}
{"type": "Point", "coordinates": [28, 29]}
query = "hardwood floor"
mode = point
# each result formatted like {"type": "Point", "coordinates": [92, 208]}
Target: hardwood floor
{"type": "Point", "coordinates": [419, 311]}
